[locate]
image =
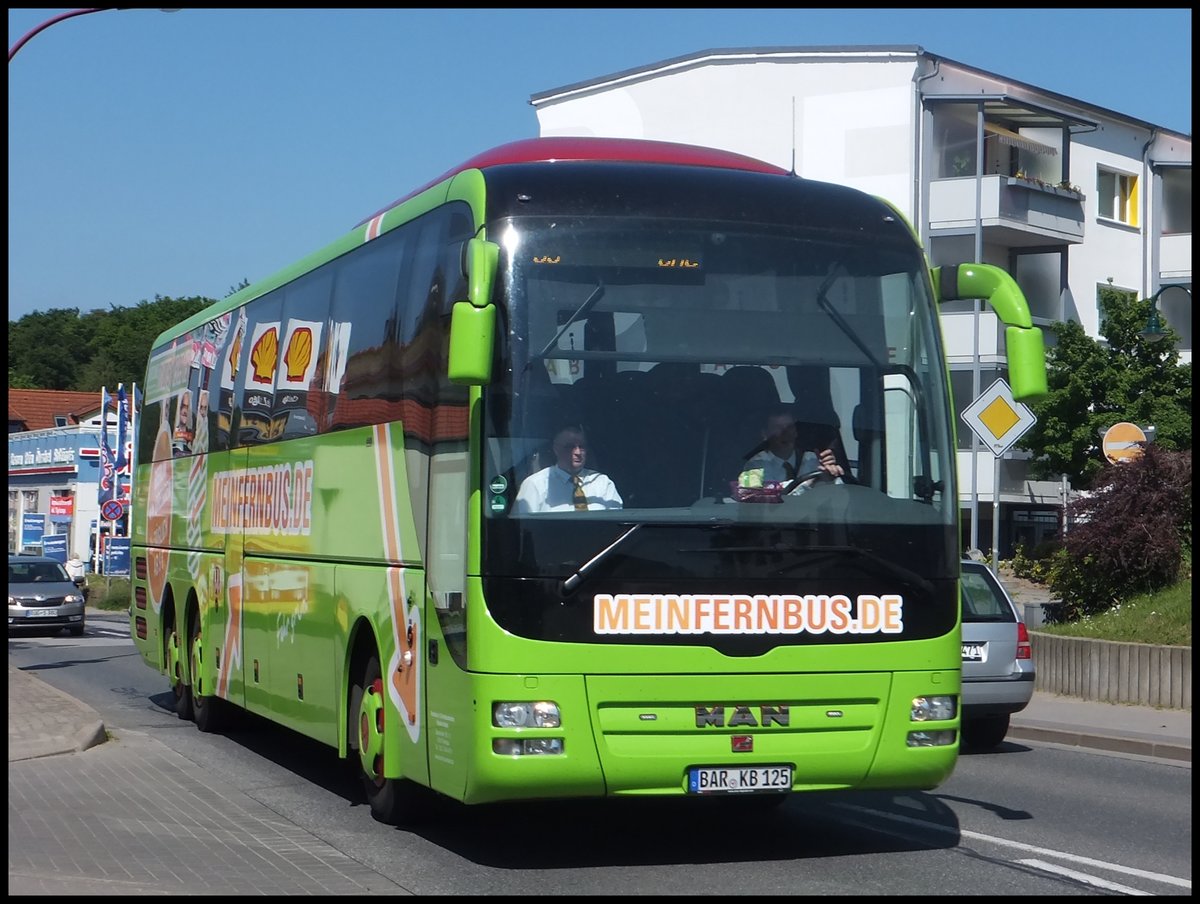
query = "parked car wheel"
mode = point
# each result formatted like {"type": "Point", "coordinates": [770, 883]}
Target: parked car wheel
{"type": "Point", "coordinates": [985, 733]}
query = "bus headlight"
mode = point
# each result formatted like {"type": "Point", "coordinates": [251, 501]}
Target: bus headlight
{"type": "Point", "coordinates": [942, 738]}
{"type": "Point", "coordinates": [539, 714]}
{"type": "Point", "coordinates": [527, 746]}
{"type": "Point", "coordinates": [934, 709]}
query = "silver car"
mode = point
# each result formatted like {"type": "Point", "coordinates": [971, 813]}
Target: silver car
{"type": "Point", "coordinates": [997, 658]}
{"type": "Point", "coordinates": [41, 595]}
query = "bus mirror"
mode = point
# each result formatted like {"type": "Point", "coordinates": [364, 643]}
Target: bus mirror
{"type": "Point", "coordinates": [481, 260]}
{"type": "Point", "coordinates": [472, 335]}
{"type": "Point", "coordinates": [1026, 363]}
{"type": "Point", "coordinates": [1024, 343]}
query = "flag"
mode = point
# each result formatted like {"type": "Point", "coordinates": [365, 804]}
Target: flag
{"type": "Point", "coordinates": [122, 462]}
{"type": "Point", "coordinates": [107, 464]}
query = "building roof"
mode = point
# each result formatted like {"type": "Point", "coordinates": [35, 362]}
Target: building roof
{"type": "Point", "coordinates": [36, 409]}
{"type": "Point", "coordinates": [868, 52]}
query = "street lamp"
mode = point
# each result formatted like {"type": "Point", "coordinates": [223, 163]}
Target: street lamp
{"type": "Point", "coordinates": [12, 51]}
{"type": "Point", "coordinates": [1155, 329]}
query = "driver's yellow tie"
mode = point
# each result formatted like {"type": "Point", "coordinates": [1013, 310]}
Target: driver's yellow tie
{"type": "Point", "coordinates": [580, 495]}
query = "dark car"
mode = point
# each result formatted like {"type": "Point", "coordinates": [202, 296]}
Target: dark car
{"type": "Point", "coordinates": [42, 596]}
{"type": "Point", "coordinates": [997, 658]}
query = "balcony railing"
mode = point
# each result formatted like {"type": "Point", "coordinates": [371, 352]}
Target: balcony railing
{"type": "Point", "coordinates": [1014, 212]}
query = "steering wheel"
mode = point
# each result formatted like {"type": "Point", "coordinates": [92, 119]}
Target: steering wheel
{"type": "Point", "coordinates": [801, 478]}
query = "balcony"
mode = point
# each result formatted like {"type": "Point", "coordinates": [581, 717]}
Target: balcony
{"type": "Point", "coordinates": [1015, 213]}
{"type": "Point", "coordinates": [1175, 257]}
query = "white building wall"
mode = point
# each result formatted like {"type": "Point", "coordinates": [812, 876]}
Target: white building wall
{"type": "Point", "coordinates": [1110, 249]}
{"type": "Point", "coordinates": [853, 121]}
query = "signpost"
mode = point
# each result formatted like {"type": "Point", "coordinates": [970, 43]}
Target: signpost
{"type": "Point", "coordinates": [112, 510]}
{"type": "Point", "coordinates": [1123, 441]}
{"type": "Point", "coordinates": [998, 420]}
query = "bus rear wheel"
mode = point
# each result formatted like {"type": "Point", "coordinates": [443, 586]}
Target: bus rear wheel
{"type": "Point", "coordinates": [182, 691]}
{"type": "Point", "coordinates": [208, 710]}
{"type": "Point", "coordinates": [394, 801]}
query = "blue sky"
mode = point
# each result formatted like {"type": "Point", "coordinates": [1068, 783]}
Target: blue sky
{"type": "Point", "coordinates": [178, 154]}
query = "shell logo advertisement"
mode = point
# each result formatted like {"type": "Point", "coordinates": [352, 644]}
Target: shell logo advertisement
{"type": "Point", "coordinates": [276, 500]}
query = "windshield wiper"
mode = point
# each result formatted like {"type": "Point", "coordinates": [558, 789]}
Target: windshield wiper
{"type": "Point", "coordinates": [837, 318]}
{"type": "Point", "coordinates": [588, 304]}
{"type": "Point", "coordinates": [572, 581]}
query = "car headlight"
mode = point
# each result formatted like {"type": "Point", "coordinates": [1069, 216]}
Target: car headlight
{"type": "Point", "coordinates": [73, 598]}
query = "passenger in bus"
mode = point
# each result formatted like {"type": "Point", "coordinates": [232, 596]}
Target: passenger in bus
{"type": "Point", "coordinates": [567, 485]}
{"type": "Point", "coordinates": [783, 454]}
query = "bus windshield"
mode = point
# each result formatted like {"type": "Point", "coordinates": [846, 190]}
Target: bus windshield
{"type": "Point", "coordinates": [671, 344]}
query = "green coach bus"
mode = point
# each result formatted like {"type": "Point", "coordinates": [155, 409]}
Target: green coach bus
{"type": "Point", "coordinates": [326, 527]}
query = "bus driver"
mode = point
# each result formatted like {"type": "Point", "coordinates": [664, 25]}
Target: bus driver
{"type": "Point", "coordinates": [567, 485]}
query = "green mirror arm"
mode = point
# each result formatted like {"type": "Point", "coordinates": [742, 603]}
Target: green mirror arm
{"type": "Point", "coordinates": [1024, 343]}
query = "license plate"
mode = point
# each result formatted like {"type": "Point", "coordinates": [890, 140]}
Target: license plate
{"type": "Point", "coordinates": [738, 779]}
{"type": "Point", "coordinates": [42, 613]}
{"type": "Point", "coordinates": [974, 652]}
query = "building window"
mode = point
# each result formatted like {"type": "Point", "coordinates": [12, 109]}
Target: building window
{"type": "Point", "coordinates": [1175, 304]}
{"type": "Point", "coordinates": [60, 420]}
{"type": "Point", "coordinates": [1117, 196]}
{"type": "Point", "coordinates": [1177, 202]}
{"type": "Point", "coordinates": [1040, 276]}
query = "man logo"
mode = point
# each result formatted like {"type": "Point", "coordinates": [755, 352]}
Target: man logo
{"type": "Point", "coordinates": [742, 716]}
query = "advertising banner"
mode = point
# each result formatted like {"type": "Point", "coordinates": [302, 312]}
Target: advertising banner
{"type": "Point", "coordinates": [55, 546]}
{"type": "Point", "coordinates": [116, 556]}
{"type": "Point", "coordinates": [33, 528]}
{"type": "Point", "coordinates": [62, 506]}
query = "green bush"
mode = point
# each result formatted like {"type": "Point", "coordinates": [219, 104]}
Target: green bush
{"type": "Point", "coordinates": [110, 594]}
{"type": "Point", "coordinates": [1131, 536]}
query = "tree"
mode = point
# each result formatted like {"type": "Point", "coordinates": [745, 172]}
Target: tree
{"type": "Point", "coordinates": [1095, 384]}
{"type": "Point", "coordinates": [62, 349]}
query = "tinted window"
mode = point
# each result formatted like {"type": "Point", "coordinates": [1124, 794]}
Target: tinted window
{"type": "Point", "coordinates": [983, 599]}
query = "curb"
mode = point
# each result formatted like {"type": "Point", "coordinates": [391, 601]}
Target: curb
{"type": "Point", "coordinates": [1110, 743]}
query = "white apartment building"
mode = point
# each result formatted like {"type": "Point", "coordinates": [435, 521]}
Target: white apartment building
{"type": "Point", "coordinates": [1067, 196]}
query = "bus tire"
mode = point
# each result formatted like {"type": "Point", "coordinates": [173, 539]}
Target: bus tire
{"type": "Point", "coordinates": [208, 710]}
{"type": "Point", "coordinates": [394, 801]}
{"type": "Point", "coordinates": [181, 691]}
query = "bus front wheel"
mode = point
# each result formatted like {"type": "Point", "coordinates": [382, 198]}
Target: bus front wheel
{"type": "Point", "coordinates": [393, 801]}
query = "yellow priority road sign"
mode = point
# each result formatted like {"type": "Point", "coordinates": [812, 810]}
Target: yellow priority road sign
{"type": "Point", "coordinates": [997, 418]}
{"type": "Point", "coordinates": [1121, 442]}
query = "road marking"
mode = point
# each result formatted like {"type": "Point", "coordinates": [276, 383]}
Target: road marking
{"type": "Point", "coordinates": [1033, 849]}
{"type": "Point", "coordinates": [1082, 877]}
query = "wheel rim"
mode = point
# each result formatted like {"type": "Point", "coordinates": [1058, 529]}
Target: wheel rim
{"type": "Point", "coordinates": [370, 732]}
{"type": "Point", "coordinates": [175, 662]}
{"type": "Point", "coordinates": [197, 665]}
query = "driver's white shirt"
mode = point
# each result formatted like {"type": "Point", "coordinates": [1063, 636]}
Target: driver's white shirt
{"type": "Point", "coordinates": [553, 490]}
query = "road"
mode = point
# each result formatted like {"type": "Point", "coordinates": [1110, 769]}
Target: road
{"type": "Point", "coordinates": [1029, 818]}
